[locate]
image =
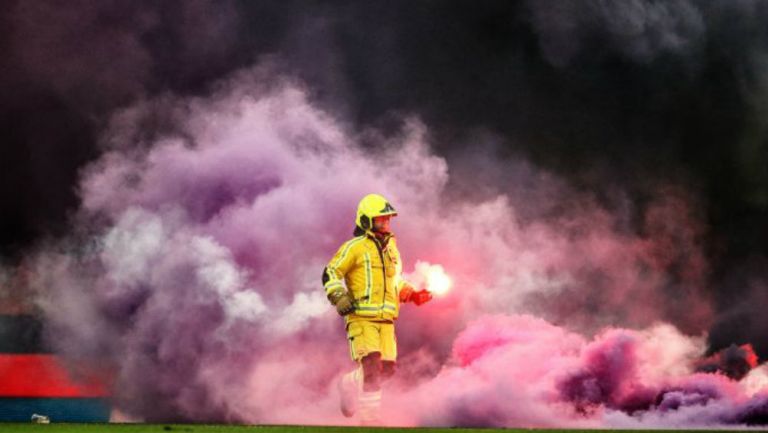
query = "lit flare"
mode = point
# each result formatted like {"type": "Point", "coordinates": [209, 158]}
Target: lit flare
{"type": "Point", "coordinates": [433, 278]}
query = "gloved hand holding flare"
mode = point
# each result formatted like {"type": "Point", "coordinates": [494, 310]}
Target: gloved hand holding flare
{"type": "Point", "coordinates": [435, 279]}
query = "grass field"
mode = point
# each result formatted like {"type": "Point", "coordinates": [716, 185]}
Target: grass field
{"type": "Point", "coordinates": [217, 428]}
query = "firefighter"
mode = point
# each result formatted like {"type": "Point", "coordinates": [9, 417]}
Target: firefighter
{"type": "Point", "coordinates": [363, 281]}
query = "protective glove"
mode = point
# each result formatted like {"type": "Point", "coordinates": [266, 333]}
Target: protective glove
{"type": "Point", "coordinates": [343, 302]}
{"type": "Point", "coordinates": [406, 293]}
{"type": "Point", "coordinates": [421, 297]}
{"type": "Point", "coordinates": [409, 294]}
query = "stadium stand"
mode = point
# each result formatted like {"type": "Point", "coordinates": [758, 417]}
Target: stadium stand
{"type": "Point", "coordinates": [34, 381]}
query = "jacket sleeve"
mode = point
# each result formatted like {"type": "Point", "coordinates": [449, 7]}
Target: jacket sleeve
{"type": "Point", "coordinates": [402, 283]}
{"type": "Point", "coordinates": [337, 268]}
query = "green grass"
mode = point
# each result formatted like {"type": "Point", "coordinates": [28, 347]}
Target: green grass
{"type": "Point", "coordinates": [216, 428]}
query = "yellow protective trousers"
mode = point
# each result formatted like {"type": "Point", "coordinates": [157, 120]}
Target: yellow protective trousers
{"type": "Point", "coordinates": [366, 337]}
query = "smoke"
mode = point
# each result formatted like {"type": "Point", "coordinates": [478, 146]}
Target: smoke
{"type": "Point", "coordinates": [191, 278]}
{"type": "Point", "coordinates": [523, 371]}
{"type": "Point", "coordinates": [613, 99]}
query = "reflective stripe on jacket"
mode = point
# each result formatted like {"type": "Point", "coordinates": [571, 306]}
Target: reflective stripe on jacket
{"type": "Point", "coordinates": [371, 274]}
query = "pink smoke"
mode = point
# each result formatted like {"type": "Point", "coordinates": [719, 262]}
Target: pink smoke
{"type": "Point", "coordinates": [194, 276]}
{"type": "Point", "coordinates": [523, 371]}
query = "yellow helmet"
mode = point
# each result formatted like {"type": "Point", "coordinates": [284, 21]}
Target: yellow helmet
{"type": "Point", "coordinates": [371, 206]}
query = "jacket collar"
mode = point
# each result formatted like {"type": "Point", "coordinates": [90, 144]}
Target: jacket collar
{"type": "Point", "coordinates": [381, 243]}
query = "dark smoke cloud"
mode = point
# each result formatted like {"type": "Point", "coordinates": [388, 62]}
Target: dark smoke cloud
{"type": "Point", "coordinates": [640, 30]}
{"type": "Point", "coordinates": [651, 89]}
{"type": "Point", "coordinates": [67, 67]}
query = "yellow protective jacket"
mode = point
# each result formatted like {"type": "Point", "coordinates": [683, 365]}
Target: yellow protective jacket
{"type": "Point", "coordinates": [371, 273]}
